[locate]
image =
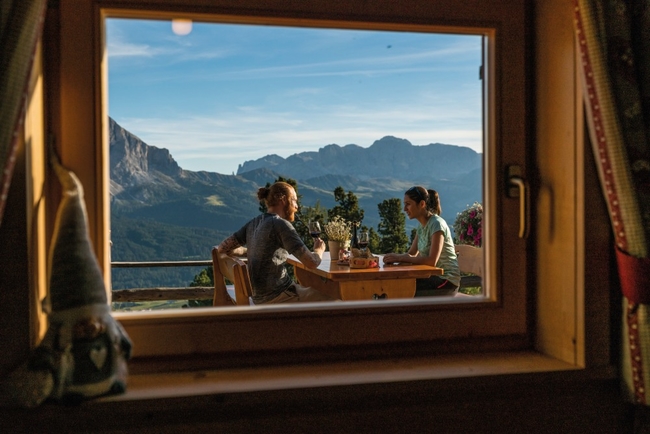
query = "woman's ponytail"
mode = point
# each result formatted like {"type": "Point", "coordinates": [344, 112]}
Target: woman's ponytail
{"type": "Point", "coordinates": [433, 202]}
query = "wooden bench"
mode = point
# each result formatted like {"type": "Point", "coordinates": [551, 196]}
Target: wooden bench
{"type": "Point", "coordinates": [470, 260]}
{"type": "Point", "coordinates": [233, 269]}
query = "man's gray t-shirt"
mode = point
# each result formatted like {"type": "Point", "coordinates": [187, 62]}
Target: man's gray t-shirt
{"type": "Point", "coordinates": [268, 239]}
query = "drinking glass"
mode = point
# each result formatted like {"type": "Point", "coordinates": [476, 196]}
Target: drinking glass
{"type": "Point", "coordinates": [314, 229]}
{"type": "Point", "coordinates": [364, 239]}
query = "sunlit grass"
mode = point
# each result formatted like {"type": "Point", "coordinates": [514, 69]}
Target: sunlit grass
{"type": "Point", "coordinates": [471, 290]}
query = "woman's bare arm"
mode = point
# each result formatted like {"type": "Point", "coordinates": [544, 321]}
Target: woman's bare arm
{"type": "Point", "coordinates": [392, 258]}
{"type": "Point", "coordinates": [437, 241]}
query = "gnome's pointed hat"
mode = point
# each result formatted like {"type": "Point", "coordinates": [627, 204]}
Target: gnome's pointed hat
{"type": "Point", "coordinates": [84, 351]}
{"type": "Point", "coordinates": [75, 277]}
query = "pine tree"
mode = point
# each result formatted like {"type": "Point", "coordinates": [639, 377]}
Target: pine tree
{"type": "Point", "coordinates": [375, 240]}
{"type": "Point", "coordinates": [392, 227]}
{"type": "Point", "coordinates": [348, 206]}
{"type": "Point", "coordinates": [204, 278]}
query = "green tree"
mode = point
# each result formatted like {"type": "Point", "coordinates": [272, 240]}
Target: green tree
{"type": "Point", "coordinates": [348, 206]}
{"type": "Point", "coordinates": [392, 227]}
{"type": "Point", "coordinates": [375, 240]}
{"type": "Point", "coordinates": [204, 278]}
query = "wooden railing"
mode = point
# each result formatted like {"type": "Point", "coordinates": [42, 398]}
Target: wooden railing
{"type": "Point", "coordinates": [163, 293]}
{"type": "Point", "coordinates": [194, 292]}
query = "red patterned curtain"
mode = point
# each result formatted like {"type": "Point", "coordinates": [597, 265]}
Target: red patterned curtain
{"type": "Point", "coordinates": [614, 43]}
{"type": "Point", "coordinates": [21, 23]}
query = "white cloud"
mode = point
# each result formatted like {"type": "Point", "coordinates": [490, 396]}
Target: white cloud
{"type": "Point", "coordinates": [123, 49]}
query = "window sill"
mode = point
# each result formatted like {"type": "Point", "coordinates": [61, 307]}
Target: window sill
{"type": "Point", "coordinates": [446, 367]}
{"type": "Point", "coordinates": [467, 393]}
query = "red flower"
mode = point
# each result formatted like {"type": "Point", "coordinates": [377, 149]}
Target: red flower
{"type": "Point", "coordinates": [467, 227]}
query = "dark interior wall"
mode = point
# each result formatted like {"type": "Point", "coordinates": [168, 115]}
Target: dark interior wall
{"type": "Point", "coordinates": [508, 404]}
{"type": "Point", "coordinates": [603, 307]}
{"type": "Point", "coordinates": [15, 322]}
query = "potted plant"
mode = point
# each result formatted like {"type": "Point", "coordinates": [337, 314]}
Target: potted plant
{"type": "Point", "coordinates": [468, 226]}
{"type": "Point", "coordinates": [337, 231]}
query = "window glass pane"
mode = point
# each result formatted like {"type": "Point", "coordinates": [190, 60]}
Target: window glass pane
{"type": "Point", "coordinates": [202, 114]}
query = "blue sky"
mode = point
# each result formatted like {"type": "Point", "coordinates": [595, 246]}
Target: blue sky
{"type": "Point", "coordinates": [225, 93]}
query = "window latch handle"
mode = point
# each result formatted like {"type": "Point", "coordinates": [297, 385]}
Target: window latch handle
{"type": "Point", "coordinates": [517, 187]}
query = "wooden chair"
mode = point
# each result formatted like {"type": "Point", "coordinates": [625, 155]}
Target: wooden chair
{"type": "Point", "coordinates": [236, 271]}
{"type": "Point", "coordinates": [470, 260]}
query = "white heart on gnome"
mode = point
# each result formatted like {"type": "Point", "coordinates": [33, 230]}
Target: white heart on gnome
{"type": "Point", "coordinates": [98, 356]}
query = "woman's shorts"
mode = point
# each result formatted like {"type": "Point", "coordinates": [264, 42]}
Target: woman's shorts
{"type": "Point", "coordinates": [434, 285]}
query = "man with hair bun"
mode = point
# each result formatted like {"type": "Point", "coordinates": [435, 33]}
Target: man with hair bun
{"type": "Point", "coordinates": [268, 239]}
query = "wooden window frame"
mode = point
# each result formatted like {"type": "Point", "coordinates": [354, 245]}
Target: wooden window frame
{"type": "Point", "coordinates": [223, 337]}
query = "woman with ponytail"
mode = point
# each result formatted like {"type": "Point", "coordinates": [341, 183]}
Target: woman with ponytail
{"type": "Point", "coordinates": [433, 244]}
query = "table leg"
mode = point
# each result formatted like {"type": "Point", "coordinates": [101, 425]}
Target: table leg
{"type": "Point", "coordinates": [326, 286]}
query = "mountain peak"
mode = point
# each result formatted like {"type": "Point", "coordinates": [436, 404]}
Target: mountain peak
{"type": "Point", "coordinates": [133, 162]}
{"type": "Point", "coordinates": [392, 142]}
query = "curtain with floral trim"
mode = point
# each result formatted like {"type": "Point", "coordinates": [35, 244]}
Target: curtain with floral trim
{"type": "Point", "coordinates": [613, 37]}
{"type": "Point", "coordinates": [21, 23]}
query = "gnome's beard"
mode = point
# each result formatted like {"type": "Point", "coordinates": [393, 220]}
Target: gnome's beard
{"type": "Point", "coordinates": [86, 342]}
{"type": "Point", "coordinates": [82, 355]}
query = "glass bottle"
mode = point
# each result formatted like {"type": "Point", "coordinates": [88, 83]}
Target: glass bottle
{"type": "Point", "coordinates": [355, 239]}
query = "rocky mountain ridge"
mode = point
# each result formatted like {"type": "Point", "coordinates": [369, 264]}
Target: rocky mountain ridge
{"type": "Point", "coordinates": [391, 156]}
{"type": "Point", "coordinates": [133, 162]}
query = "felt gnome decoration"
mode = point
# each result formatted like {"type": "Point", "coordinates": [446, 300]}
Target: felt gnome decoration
{"type": "Point", "coordinates": [84, 351]}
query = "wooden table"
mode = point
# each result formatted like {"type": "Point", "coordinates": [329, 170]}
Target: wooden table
{"type": "Point", "coordinates": [345, 283]}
